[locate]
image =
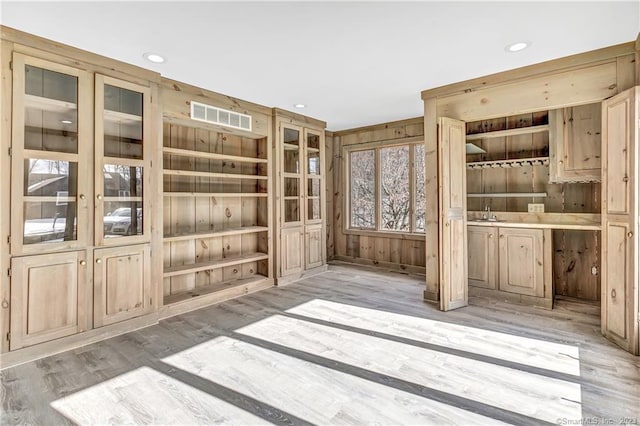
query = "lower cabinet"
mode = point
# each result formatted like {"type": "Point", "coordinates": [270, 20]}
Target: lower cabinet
{"type": "Point", "coordinates": [314, 252]}
{"type": "Point", "coordinates": [513, 260]}
{"type": "Point", "coordinates": [521, 261]}
{"type": "Point", "coordinates": [49, 298]}
{"type": "Point", "coordinates": [483, 256]}
{"type": "Point", "coordinates": [122, 284]}
{"type": "Point", "coordinates": [291, 253]}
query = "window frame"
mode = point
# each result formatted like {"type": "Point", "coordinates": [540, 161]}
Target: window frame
{"type": "Point", "coordinates": [412, 142]}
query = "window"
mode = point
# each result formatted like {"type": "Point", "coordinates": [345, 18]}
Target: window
{"type": "Point", "coordinates": [394, 188]}
{"type": "Point", "coordinates": [387, 188]}
{"type": "Point", "coordinates": [362, 197]}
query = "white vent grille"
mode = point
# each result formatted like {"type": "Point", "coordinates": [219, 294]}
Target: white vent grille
{"type": "Point", "coordinates": [223, 117]}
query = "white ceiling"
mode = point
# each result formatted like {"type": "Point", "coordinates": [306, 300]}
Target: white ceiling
{"type": "Point", "coordinates": [352, 63]}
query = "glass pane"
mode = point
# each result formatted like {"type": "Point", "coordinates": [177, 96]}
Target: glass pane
{"type": "Point", "coordinates": [291, 137]}
{"type": "Point", "coordinates": [122, 218]}
{"type": "Point", "coordinates": [291, 187]}
{"type": "Point", "coordinates": [51, 111]}
{"type": "Point", "coordinates": [313, 163]}
{"type": "Point", "coordinates": [394, 188]}
{"type": "Point", "coordinates": [122, 122]}
{"type": "Point", "coordinates": [362, 187]}
{"type": "Point", "coordinates": [292, 210]}
{"type": "Point", "coordinates": [52, 216]}
{"type": "Point", "coordinates": [122, 181]}
{"type": "Point", "coordinates": [421, 200]}
{"type": "Point", "coordinates": [123, 200]}
{"type": "Point", "coordinates": [313, 187]}
{"type": "Point", "coordinates": [291, 160]}
{"type": "Point", "coordinates": [313, 141]}
{"type": "Point", "coordinates": [48, 178]}
{"type": "Point", "coordinates": [313, 209]}
{"type": "Point", "coordinates": [49, 221]}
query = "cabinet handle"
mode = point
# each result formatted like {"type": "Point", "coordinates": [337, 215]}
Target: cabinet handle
{"type": "Point", "coordinates": [99, 197]}
{"type": "Point", "coordinates": [560, 162]}
{"type": "Point", "coordinates": [5, 304]}
{"type": "Point", "coordinates": [629, 234]}
{"type": "Point", "coordinates": [613, 293]}
{"type": "Point", "coordinates": [83, 263]}
{"type": "Point", "coordinates": [82, 196]}
{"type": "Point", "coordinates": [446, 224]}
{"type": "Point", "coordinates": [98, 260]}
{"type": "Point", "coordinates": [490, 235]}
{"type": "Point", "coordinates": [502, 236]}
{"type": "Point", "coordinates": [625, 179]}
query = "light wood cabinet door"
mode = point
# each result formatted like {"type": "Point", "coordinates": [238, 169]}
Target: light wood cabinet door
{"type": "Point", "coordinates": [313, 247]}
{"type": "Point", "coordinates": [620, 208]}
{"type": "Point", "coordinates": [122, 284]}
{"type": "Point", "coordinates": [575, 144]}
{"type": "Point", "coordinates": [48, 297]}
{"type": "Point", "coordinates": [452, 195]}
{"type": "Point", "coordinates": [522, 261]}
{"type": "Point", "coordinates": [291, 253]}
{"type": "Point", "coordinates": [483, 256]}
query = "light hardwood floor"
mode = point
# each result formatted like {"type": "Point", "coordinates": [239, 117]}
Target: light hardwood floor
{"type": "Point", "coordinates": [347, 346]}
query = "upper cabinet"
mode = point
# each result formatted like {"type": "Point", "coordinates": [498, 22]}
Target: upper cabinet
{"type": "Point", "coordinates": [575, 144]}
{"type": "Point", "coordinates": [74, 143]}
{"type": "Point", "coordinates": [122, 143]}
{"type": "Point", "coordinates": [50, 156]}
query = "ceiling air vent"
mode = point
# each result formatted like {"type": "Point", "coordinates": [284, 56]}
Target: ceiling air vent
{"type": "Point", "coordinates": [220, 116]}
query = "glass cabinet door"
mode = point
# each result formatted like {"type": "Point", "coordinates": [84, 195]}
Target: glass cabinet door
{"type": "Point", "coordinates": [51, 122]}
{"type": "Point", "coordinates": [122, 130]}
{"type": "Point", "coordinates": [292, 165]}
{"type": "Point", "coordinates": [313, 175]}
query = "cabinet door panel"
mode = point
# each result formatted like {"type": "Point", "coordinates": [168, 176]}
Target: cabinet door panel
{"type": "Point", "coordinates": [47, 297]}
{"type": "Point", "coordinates": [291, 255]}
{"type": "Point", "coordinates": [483, 256]}
{"type": "Point", "coordinates": [313, 247]}
{"type": "Point", "coordinates": [620, 206]}
{"type": "Point", "coordinates": [122, 284]}
{"type": "Point", "coordinates": [452, 196]}
{"type": "Point", "coordinates": [522, 261]}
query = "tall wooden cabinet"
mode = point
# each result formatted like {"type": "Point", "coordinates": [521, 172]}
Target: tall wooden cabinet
{"type": "Point", "coordinates": [300, 206]}
{"type": "Point", "coordinates": [81, 149]}
{"type": "Point", "coordinates": [620, 216]}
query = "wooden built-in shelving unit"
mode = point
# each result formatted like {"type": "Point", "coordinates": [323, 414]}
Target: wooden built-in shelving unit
{"type": "Point", "coordinates": [217, 200]}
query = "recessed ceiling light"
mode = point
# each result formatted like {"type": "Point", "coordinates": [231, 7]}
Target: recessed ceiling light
{"type": "Point", "coordinates": [66, 121]}
{"type": "Point", "coordinates": [516, 47]}
{"type": "Point", "coordinates": [154, 57]}
{"type": "Point", "coordinates": [300, 106]}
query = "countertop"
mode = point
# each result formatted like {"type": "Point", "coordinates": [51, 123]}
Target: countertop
{"type": "Point", "coordinates": [575, 221]}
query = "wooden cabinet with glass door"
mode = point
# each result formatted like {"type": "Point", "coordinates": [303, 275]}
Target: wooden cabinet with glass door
{"type": "Point", "coordinates": [80, 146]}
{"type": "Point", "coordinates": [300, 201]}
{"type": "Point", "coordinates": [50, 162]}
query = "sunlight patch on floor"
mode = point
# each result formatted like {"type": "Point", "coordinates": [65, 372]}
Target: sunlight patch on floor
{"type": "Point", "coordinates": [312, 392]}
{"type": "Point", "coordinates": [146, 396]}
{"type": "Point", "coordinates": [532, 395]}
{"type": "Point", "coordinates": [532, 352]}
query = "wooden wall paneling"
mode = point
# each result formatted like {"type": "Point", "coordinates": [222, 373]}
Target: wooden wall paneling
{"type": "Point", "coordinates": [382, 249]}
{"type": "Point", "coordinates": [495, 180]}
{"type": "Point", "coordinates": [329, 193]}
{"type": "Point", "coordinates": [367, 247]}
{"type": "Point", "coordinates": [519, 179]}
{"type": "Point", "coordinates": [340, 211]}
{"type": "Point", "coordinates": [626, 67]}
{"type": "Point", "coordinates": [591, 84]}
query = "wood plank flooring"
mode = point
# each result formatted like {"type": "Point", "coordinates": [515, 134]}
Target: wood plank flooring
{"type": "Point", "coordinates": [350, 346]}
